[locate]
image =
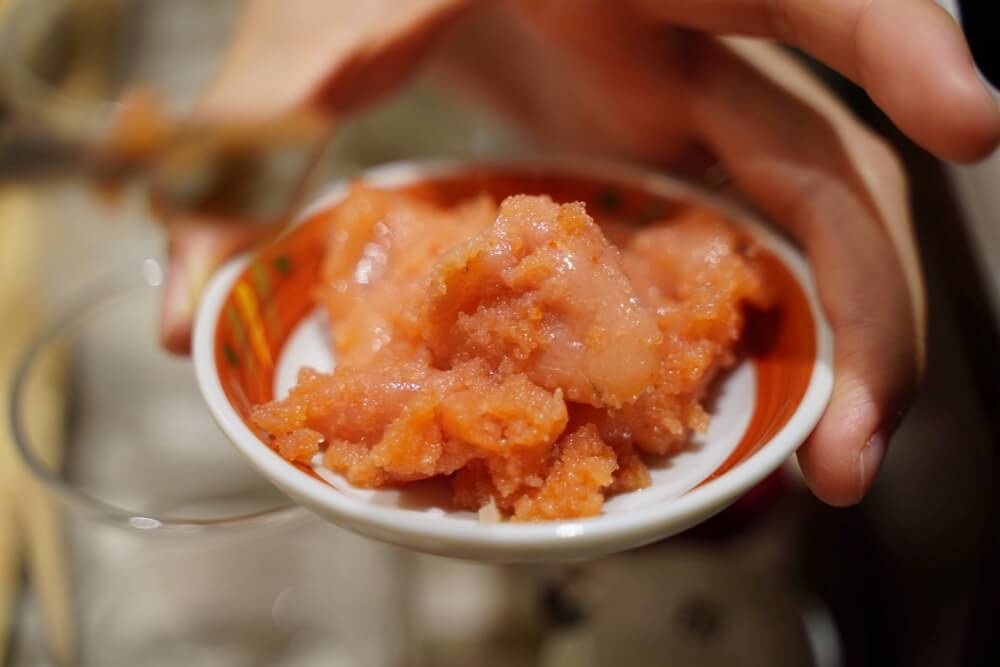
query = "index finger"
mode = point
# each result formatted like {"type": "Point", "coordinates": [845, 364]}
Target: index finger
{"type": "Point", "coordinates": [909, 55]}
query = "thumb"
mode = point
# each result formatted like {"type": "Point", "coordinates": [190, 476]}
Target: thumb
{"type": "Point", "coordinates": [197, 248]}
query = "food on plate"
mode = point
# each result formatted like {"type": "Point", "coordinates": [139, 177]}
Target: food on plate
{"type": "Point", "coordinates": [529, 355]}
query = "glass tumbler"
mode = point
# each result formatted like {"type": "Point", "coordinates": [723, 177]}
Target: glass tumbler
{"type": "Point", "coordinates": [148, 540]}
{"type": "Point", "coordinates": [151, 542]}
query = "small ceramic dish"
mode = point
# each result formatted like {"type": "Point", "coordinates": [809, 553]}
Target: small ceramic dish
{"type": "Point", "coordinates": [257, 325]}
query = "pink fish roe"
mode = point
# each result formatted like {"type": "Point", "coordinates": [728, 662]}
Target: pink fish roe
{"type": "Point", "coordinates": [514, 349]}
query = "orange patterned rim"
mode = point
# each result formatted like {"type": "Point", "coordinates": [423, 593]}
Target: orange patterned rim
{"type": "Point", "coordinates": [274, 293]}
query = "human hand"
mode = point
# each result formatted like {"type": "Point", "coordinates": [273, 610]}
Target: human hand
{"type": "Point", "coordinates": [621, 80]}
{"type": "Point", "coordinates": [332, 57]}
{"type": "Point", "coordinates": [604, 80]}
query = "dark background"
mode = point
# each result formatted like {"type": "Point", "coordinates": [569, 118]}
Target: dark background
{"type": "Point", "coordinates": [962, 387]}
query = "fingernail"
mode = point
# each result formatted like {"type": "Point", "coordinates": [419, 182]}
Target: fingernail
{"type": "Point", "coordinates": [870, 459]}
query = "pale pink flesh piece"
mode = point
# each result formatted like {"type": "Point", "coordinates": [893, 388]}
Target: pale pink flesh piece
{"type": "Point", "coordinates": [544, 288]}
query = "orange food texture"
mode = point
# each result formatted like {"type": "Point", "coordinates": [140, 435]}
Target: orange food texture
{"type": "Point", "coordinates": [515, 350]}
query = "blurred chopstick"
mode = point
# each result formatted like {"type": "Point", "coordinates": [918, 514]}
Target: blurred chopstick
{"type": "Point", "coordinates": [41, 523]}
{"type": "Point", "coordinates": [10, 544]}
{"type": "Point", "coordinates": [14, 214]}
{"type": "Point", "coordinates": [31, 525]}
{"type": "Point", "coordinates": [10, 550]}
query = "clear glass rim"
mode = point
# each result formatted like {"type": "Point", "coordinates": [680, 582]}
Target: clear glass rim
{"type": "Point", "coordinates": [120, 282]}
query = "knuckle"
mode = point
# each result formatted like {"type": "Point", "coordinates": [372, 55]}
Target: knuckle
{"type": "Point", "coordinates": [815, 199]}
{"type": "Point", "coordinates": [883, 159]}
{"type": "Point", "coordinates": [780, 21]}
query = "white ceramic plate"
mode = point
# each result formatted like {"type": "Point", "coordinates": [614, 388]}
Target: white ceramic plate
{"type": "Point", "coordinates": [766, 408]}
